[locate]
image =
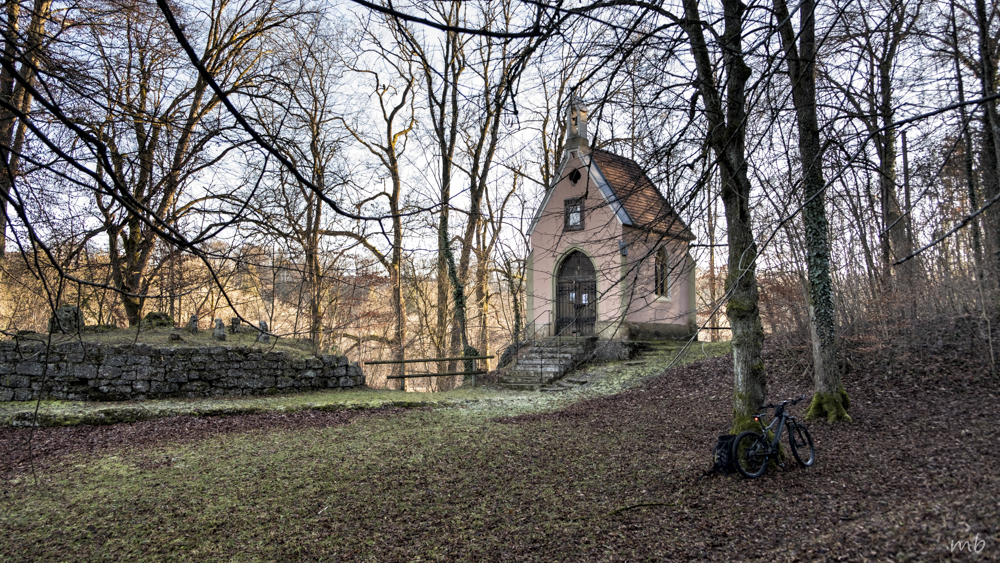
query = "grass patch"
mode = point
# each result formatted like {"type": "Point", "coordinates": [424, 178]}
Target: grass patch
{"type": "Point", "coordinates": [615, 376]}
{"type": "Point", "coordinates": [341, 493]}
{"type": "Point", "coordinates": [346, 493]}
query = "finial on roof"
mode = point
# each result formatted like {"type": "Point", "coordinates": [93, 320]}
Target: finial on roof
{"type": "Point", "coordinates": [576, 125]}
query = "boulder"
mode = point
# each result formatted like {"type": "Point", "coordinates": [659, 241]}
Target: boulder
{"type": "Point", "coordinates": [155, 319]}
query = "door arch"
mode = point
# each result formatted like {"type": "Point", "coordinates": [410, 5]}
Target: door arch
{"type": "Point", "coordinates": [576, 295]}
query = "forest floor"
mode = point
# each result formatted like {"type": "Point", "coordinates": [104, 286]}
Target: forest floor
{"type": "Point", "coordinates": [613, 477]}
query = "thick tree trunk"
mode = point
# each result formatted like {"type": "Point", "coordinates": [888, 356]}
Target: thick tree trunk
{"type": "Point", "coordinates": [829, 399]}
{"type": "Point", "coordinates": [727, 136]}
{"type": "Point", "coordinates": [893, 239]}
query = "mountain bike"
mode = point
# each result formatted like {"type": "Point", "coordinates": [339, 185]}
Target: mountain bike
{"type": "Point", "coordinates": [753, 452]}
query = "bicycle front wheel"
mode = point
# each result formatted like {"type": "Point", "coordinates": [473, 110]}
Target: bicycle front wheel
{"type": "Point", "coordinates": [802, 445]}
{"type": "Point", "coordinates": [750, 452]}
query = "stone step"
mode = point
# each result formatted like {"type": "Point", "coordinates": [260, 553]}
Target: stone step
{"type": "Point", "coordinates": [562, 347]}
{"type": "Point", "coordinates": [543, 366]}
{"type": "Point", "coordinates": [549, 357]}
{"type": "Point", "coordinates": [546, 362]}
{"type": "Point", "coordinates": [515, 377]}
{"type": "Point", "coordinates": [534, 362]}
{"type": "Point", "coordinates": [533, 378]}
{"type": "Point", "coordinates": [516, 374]}
{"type": "Point", "coordinates": [523, 386]}
{"type": "Point", "coordinates": [552, 352]}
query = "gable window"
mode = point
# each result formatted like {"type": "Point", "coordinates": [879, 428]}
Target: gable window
{"type": "Point", "coordinates": [574, 214]}
{"type": "Point", "coordinates": [661, 285]}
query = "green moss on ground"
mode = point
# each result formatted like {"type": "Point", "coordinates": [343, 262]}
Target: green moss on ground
{"type": "Point", "coordinates": [72, 413]}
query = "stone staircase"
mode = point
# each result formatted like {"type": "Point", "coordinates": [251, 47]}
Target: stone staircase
{"type": "Point", "coordinates": [644, 351]}
{"type": "Point", "coordinates": [654, 348]}
{"type": "Point", "coordinates": [547, 361]}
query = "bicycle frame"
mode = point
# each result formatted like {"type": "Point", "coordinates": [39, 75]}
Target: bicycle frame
{"type": "Point", "coordinates": [781, 418]}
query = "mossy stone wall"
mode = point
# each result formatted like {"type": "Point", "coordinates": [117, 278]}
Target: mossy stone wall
{"type": "Point", "coordinates": [91, 372]}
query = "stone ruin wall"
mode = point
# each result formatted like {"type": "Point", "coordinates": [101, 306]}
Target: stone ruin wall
{"type": "Point", "coordinates": [91, 372]}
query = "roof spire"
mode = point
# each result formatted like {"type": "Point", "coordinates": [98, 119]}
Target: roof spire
{"type": "Point", "coordinates": [576, 125]}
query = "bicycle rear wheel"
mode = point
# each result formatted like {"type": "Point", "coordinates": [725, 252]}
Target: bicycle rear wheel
{"type": "Point", "coordinates": [750, 452]}
{"type": "Point", "coordinates": [802, 444]}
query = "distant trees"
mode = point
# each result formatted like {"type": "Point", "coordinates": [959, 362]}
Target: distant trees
{"type": "Point", "coordinates": [300, 118]}
{"type": "Point", "coordinates": [385, 137]}
{"type": "Point", "coordinates": [131, 127]}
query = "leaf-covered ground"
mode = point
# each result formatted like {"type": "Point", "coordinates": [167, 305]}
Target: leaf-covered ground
{"type": "Point", "coordinates": [612, 478]}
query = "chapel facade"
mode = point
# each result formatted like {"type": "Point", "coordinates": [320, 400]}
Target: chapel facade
{"type": "Point", "coordinates": [609, 256]}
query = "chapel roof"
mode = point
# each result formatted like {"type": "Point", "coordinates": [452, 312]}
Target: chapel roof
{"type": "Point", "coordinates": [642, 201]}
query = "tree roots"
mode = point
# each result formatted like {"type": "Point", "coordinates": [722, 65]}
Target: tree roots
{"type": "Point", "coordinates": [831, 406]}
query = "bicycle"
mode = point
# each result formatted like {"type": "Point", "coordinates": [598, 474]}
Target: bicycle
{"type": "Point", "coordinates": [752, 451]}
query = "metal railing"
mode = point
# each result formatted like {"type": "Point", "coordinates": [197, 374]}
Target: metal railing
{"type": "Point", "coordinates": [404, 376]}
{"type": "Point", "coordinates": [559, 338]}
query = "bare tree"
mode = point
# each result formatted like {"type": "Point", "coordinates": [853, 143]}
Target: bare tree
{"type": "Point", "coordinates": [146, 122]}
{"type": "Point", "coordinates": [300, 118]}
{"type": "Point", "coordinates": [830, 400]}
{"type": "Point", "coordinates": [386, 141]}
{"type": "Point", "coordinates": [726, 135]}
{"type": "Point", "coordinates": [868, 82]}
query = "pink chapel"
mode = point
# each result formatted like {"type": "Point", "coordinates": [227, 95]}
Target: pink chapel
{"type": "Point", "coordinates": [609, 256]}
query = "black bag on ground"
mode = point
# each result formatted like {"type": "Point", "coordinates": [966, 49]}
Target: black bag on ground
{"type": "Point", "coordinates": [723, 460]}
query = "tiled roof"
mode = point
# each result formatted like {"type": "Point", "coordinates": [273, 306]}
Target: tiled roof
{"type": "Point", "coordinates": [644, 203]}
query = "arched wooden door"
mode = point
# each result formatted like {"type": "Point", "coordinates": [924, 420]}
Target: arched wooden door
{"type": "Point", "coordinates": [576, 296]}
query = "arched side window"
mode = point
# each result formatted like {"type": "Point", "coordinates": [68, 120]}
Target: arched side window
{"type": "Point", "coordinates": [661, 270]}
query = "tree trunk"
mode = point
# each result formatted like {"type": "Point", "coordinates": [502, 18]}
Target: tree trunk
{"type": "Point", "coordinates": [398, 297]}
{"type": "Point", "coordinates": [970, 177]}
{"type": "Point", "coordinates": [12, 128]}
{"type": "Point", "coordinates": [727, 135]}
{"type": "Point", "coordinates": [829, 399]}
{"type": "Point", "coordinates": [992, 138]}
{"type": "Point", "coordinates": [893, 237]}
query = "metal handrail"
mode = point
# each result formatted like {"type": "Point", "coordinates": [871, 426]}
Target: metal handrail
{"type": "Point", "coordinates": [558, 337]}
{"type": "Point", "coordinates": [532, 325]}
